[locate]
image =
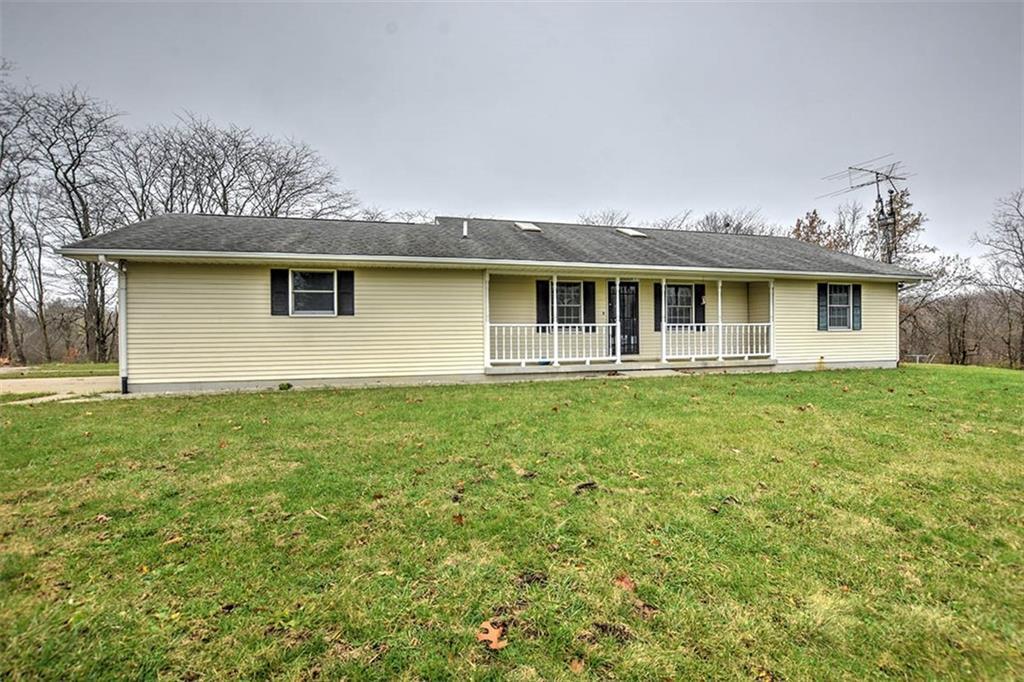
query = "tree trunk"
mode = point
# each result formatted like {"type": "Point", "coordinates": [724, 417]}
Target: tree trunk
{"type": "Point", "coordinates": [91, 271]}
{"type": "Point", "coordinates": [17, 347]}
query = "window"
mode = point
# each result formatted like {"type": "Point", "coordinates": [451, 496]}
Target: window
{"type": "Point", "coordinates": [313, 292]}
{"type": "Point", "coordinates": [569, 300]}
{"type": "Point", "coordinates": [679, 303]}
{"type": "Point", "coordinates": [839, 306]}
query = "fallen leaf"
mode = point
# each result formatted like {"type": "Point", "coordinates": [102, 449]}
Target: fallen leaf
{"type": "Point", "coordinates": [102, 518]}
{"type": "Point", "coordinates": [576, 666]}
{"type": "Point", "coordinates": [625, 582]}
{"type": "Point", "coordinates": [492, 634]}
{"type": "Point", "coordinates": [459, 520]}
{"type": "Point", "coordinates": [586, 485]}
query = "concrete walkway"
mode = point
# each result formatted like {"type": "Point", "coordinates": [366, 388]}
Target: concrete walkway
{"type": "Point", "coordinates": [61, 386]}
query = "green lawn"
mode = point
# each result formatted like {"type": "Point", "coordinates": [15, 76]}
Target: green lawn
{"type": "Point", "coordinates": [798, 526]}
{"type": "Point", "coordinates": [63, 369]}
{"type": "Point", "coordinates": [12, 397]}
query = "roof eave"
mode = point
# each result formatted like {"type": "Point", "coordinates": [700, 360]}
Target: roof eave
{"type": "Point", "coordinates": [92, 254]}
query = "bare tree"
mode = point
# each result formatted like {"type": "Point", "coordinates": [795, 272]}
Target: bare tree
{"type": "Point", "coordinates": [71, 131]}
{"type": "Point", "coordinates": [609, 217]}
{"type": "Point", "coordinates": [846, 233]}
{"type": "Point", "coordinates": [677, 221]}
{"type": "Point", "coordinates": [416, 216]}
{"type": "Point", "coordinates": [739, 221]}
{"type": "Point", "coordinates": [16, 107]}
{"type": "Point", "coordinates": [33, 277]}
{"type": "Point", "coordinates": [1004, 243]}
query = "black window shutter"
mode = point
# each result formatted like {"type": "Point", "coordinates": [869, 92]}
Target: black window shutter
{"type": "Point", "coordinates": [346, 292]}
{"type": "Point", "coordinates": [698, 304]}
{"type": "Point", "coordinates": [278, 292]}
{"type": "Point", "coordinates": [822, 307]}
{"type": "Point", "coordinates": [543, 301]}
{"type": "Point", "coordinates": [855, 308]}
{"type": "Point", "coordinates": [657, 306]}
{"type": "Point", "coordinates": [588, 303]}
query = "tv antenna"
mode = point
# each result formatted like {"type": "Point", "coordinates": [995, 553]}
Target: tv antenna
{"type": "Point", "coordinates": [879, 171]}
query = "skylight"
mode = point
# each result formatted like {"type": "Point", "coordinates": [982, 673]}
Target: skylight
{"type": "Point", "coordinates": [630, 232]}
{"type": "Point", "coordinates": [528, 227]}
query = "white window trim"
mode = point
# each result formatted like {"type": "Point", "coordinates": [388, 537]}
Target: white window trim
{"type": "Point", "coordinates": [578, 284]}
{"type": "Point", "coordinates": [313, 313]}
{"type": "Point", "coordinates": [848, 306]}
{"type": "Point", "coordinates": [693, 302]}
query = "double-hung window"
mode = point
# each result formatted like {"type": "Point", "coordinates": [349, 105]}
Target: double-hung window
{"type": "Point", "coordinates": [314, 292]}
{"type": "Point", "coordinates": [569, 302]}
{"type": "Point", "coordinates": [839, 304]}
{"type": "Point", "coordinates": [679, 303]}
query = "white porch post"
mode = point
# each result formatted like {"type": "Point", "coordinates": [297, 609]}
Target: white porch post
{"type": "Point", "coordinates": [664, 320]}
{"type": "Point", "coordinates": [618, 326]}
{"type": "Point", "coordinates": [719, 306]}
{"type": "Point", "coordinates": [554, 315]}
{"type": "Point", "coordinates": [487, 318]}
{"type": "Point", "coordinates": [122, 325]}
{"type": "Point", "coordinates": [771, 318]}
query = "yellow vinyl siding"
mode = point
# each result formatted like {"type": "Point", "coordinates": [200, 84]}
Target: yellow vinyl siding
{"type": "Point", "coordinates": [190, 323]}
{"type": "Point", "coordinates": [759, 302]}
{"type": "Point", "coordinates": [797, 339]}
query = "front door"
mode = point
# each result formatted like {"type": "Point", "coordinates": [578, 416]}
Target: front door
{"type": "Point", "coordinates": [629, 315]}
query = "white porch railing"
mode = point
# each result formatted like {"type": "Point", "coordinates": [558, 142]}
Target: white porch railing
{"type": "Point", "coordinates": [535, 343]}
{"type": "Point", "coordinates": [701, 341]}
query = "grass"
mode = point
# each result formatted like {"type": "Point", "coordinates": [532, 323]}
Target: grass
{"type": "Point", "coordinates": [12, 397]}
{"type": "Point", "coordinates": [56, 370]}
{"type": "Point", "coordinates": [802, 526]}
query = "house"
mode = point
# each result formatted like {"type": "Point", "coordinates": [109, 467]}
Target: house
{"type": "Point", "coordinates": [218, 301]}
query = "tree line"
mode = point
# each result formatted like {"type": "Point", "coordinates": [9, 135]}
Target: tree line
{"type": "Point", "coordinates": [70, 169]}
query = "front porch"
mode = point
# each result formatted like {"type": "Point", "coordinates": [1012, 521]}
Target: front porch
{"type": "Point", "coordinates": [557, 323]}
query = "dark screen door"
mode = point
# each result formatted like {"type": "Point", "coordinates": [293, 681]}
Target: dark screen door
{"type": "Point", "coordinates": [629, 314]}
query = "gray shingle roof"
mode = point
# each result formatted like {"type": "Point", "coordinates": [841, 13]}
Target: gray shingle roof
{"type": "Point", "coordinates": [498, 240]}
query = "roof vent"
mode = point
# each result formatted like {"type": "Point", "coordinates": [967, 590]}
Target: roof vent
{"type": "Point", "coordinates": [528, 227]}
{"type": "Point", "coordinates": [630, 232]}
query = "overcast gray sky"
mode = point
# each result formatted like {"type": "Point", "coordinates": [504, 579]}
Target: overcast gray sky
{"type": "Point", "coordinates": [542, 111]}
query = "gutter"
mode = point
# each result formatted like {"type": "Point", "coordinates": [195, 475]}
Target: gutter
{"type": "Point", "coordinates": [103, 254]}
